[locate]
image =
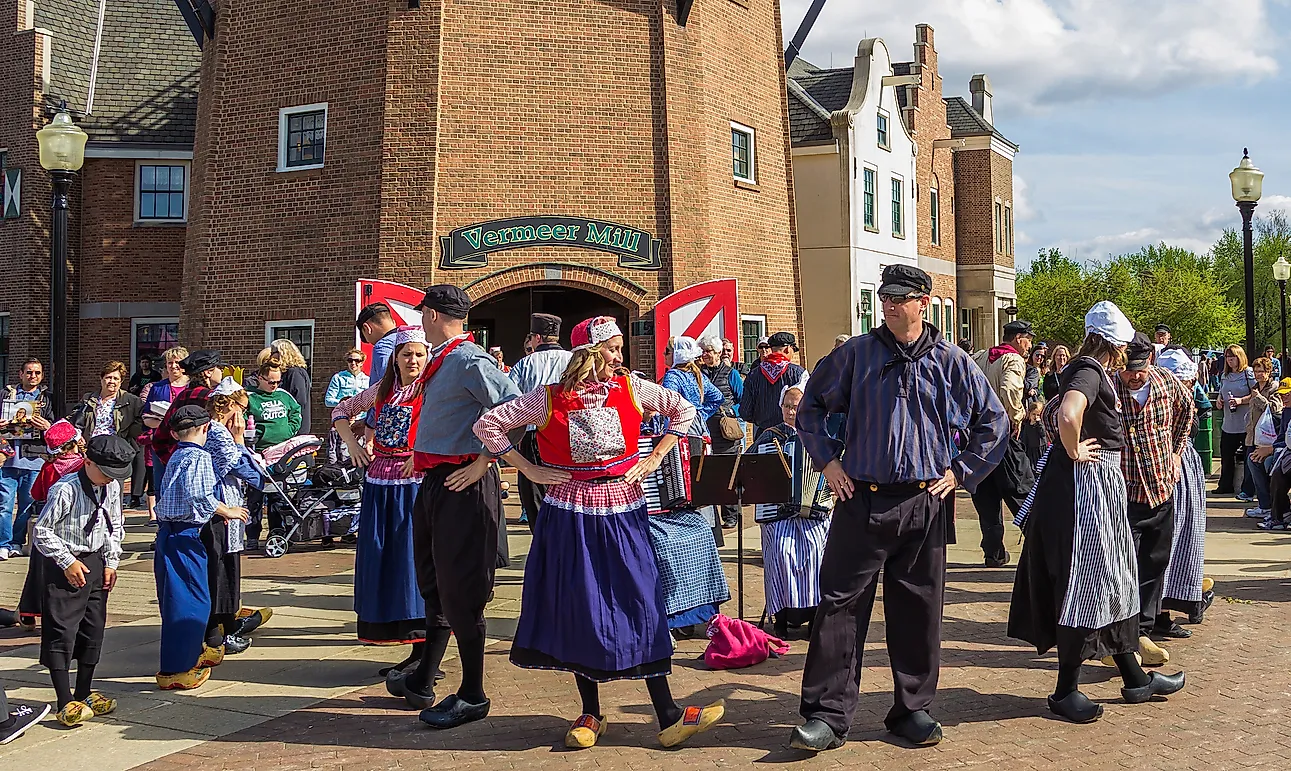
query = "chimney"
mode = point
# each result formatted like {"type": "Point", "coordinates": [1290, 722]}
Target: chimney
{"type": "Point", "coordinates": [980, 88]}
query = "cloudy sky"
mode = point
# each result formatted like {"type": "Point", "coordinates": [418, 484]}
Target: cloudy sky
{"type": "Point", "coordinates": [1129, 113]}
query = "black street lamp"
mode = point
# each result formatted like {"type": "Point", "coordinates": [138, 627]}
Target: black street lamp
{"type": "Point", "coordinates": [1248, 183]}
{"type": "Point", "coordinates": [62, 153]}
{"type": "Point", "coordinates": [1282, 272]}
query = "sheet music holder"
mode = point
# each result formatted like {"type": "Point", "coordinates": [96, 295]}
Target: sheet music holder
{"type": "Point", "coordinates": [724, 480]}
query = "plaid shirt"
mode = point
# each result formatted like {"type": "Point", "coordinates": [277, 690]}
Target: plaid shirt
{"type": "Point", "coordinates": [164, 442]}
{"type": "Point", "coordinates": [187, 493]}
{"type": "Point", "coordinates": [1154, 434]}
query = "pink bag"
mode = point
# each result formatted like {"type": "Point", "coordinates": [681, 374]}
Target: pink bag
{"type": "Point", "coordinates": [735, 644]}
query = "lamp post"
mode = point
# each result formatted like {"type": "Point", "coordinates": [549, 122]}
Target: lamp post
{"type": "Point", "coordinates": [1248, 183]}
{"type": "Point", "coordinates": [62, 153]}
{"type": "Point", "coordinates": [1281, 272]}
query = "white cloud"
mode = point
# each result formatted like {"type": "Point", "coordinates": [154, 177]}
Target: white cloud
{"type": "Point", "coordinates": [1023, 209]}
{"type": "Point", "coordinates": [1046, 52]}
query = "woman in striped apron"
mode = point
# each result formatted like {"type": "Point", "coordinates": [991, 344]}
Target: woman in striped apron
{"type": "Point", "coordinates": [1077, 582]}
{"type": "Point", "coordinates": [1186, 587]}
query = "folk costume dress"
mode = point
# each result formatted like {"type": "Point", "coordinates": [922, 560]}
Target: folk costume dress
{"type": "Point", "coordinates": [386, 598]}
{"type": "Point", "coordinates": [226, 539]}
{"type": "Point", "coordinates": [592, 602]}
{"type": "Point", "coordinates": [1077, 579]}
{"type": "Point", "coordinates": [1183, 577]}
{"type": "Point", "coordinates": [792, 546]}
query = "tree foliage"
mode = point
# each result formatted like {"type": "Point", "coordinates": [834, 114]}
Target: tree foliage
{"type": "Point", "coordinates": [1272, 238]}
{"type": "Point", "coordinates": [1158, 284]}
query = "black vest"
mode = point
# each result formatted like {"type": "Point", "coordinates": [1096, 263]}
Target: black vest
{"type": "Point", "coordinates": [721, 377]}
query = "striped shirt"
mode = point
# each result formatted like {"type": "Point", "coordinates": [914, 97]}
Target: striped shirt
{"type": "Point", "coordinates": [74, 523]}
{"type": "Point", "coordinates": [913, 412]}
{"type": "Point", "coordinates": [1154, 434]}
{"type": "Point", "coordinates": [187, 492]}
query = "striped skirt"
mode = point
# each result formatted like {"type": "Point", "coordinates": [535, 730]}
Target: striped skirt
{"type": "Point", "coordinates": [1104, 584]}
{"type": "Point", "coordinates": [791, 553]}
{"type": "Point", "coordinates": [1188, 549]}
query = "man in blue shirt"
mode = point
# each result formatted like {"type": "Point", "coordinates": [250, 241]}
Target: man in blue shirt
{"type": "Point", "coordinates": [921, 420]}
{"type": "Point", "coordinates": [19, 471]}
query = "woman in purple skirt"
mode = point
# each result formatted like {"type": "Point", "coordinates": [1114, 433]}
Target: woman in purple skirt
{"type": "Point", "coordinates": [592, 602]}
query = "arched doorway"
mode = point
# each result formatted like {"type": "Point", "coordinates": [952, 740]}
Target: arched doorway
{"type": "Point", "coordinates": [503, 320]}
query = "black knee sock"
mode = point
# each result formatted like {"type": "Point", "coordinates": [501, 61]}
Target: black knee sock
{"type": "Point", "coordinates": [1068, 681]}
{"type": "Point", "coordinates": [590, 693]}
{"type": "Point", "coordinates": [62, 686]}
{"type": "Point", "coordinates": [472, 688]}
{"type": "Point", "coordinates": [214, 634]}
{"type": "Point", "coordinates": [84, 681]}
{"type": "Point", "coordinates": [665, 707]}
{"type": "Point", "coordinates": [432, 655]}
{"type": "Point", "coordinates": [1131, 671]}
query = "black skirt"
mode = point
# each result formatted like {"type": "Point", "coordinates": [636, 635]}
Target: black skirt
{"type": "Point", "coordinates": [223, 569]}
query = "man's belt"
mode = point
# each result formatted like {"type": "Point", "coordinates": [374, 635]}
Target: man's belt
{"type": "Point", "coordinates": [898, 490]}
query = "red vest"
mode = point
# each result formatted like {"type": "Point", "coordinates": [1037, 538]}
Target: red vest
{"type": "Point", "coordinates": [553, 434]}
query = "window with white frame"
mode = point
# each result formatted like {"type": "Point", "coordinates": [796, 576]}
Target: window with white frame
{"type": "Point", "coordinates": [298, 331]}
{"type": "Point", "coordinates": [898, 198]}
{"type": "Point", "coordinates": [151, 337]}
{"type": "Point", "coordinates": [865, 309]}
{"type": "Point", "coordinates": [302, 137]}
{"type": "Point", "coordinates": [752, 329]}
{"type": "Point", "coordinates": [871, 185]}
{"type": "Point", "coordinates": [1008, 229]}
{"type": "Point", "coordinates": [999, 227]}
{"type": "Point", "coordinates": [885, 140]}
{"type": "Point", "coordinates": [934, 217]}
{"type": "Point", "coordinates": [936, 312]}
{"type": "Point", "coordinates": [744, 153]}
{"type": "Point", "coordinates": [965, 323]}
{"type": "Point", "coordinates": [161, 192]}
{"type": "Point", "coordinates": [948, 316]}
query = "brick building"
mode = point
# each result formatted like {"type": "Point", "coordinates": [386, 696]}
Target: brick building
{"type": "Point", "coordinates": [590, 160]}
{"type": "Point", "coordinates": [849, 159]}
{"type": "Point", "coordinates": [129, 204]}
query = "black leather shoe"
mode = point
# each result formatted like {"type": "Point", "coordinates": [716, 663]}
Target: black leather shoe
{"type": "Point", "coordinates": [1206, 599]}
{"type": "Point", "coordinates": [1076, 707]}
{"type": "Point", "coordinates": [418, 699]}
{"type": "Point", "coordinates": [815, 736]}
{"type": "Point", "coordinates": [1158, 685]}
{"type": "Point", "coordinates": [1172, 631]}
{"type": "Point", "coordinates": [394, 683]}
{"type": "Point", "coordinates": [452, 712]}
{"type": "Point", "coordinates": [918, 728]}
{"type": "Point", "coordinates": [997, 562]}
{"type": "Point", "coordinates": [233, 644]}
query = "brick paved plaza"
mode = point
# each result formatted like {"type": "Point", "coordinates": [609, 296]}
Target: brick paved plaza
{"type": "Point", "coordinates": [298, 699]}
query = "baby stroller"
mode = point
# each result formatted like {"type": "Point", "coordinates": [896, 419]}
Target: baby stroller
{"type": "Point", "coordinates": [313, 501]}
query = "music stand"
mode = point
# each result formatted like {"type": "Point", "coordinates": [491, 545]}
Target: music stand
{"type": "Point", "coordinates": [724, 480]}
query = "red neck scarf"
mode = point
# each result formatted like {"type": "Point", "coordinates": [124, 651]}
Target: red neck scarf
{"type": "Point", "coordinates": [774, 365]}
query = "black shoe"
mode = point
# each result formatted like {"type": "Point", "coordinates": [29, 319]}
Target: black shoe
{"type": "Point", "coordinates": [249, 624]}
{"type": "Point", "coordinates": [1158, 685]}
{"type": "Point", "coordinates": [327, 541]}
{"type": "Point", "coordinates": [918, 728]}
{"type": "Point", "coordinates": [252, 544]}
{"type": "Point", "coordinates": [1173, 630]}
{"type": "Point", "coordinates": [815, 736]}
{"type": "Point", "coordinates": [730, 523]}
{"type": "Point", "coordinates": [452, 712]}
{"type": "Point", "coordinates": [997, 562]}
{"type": "Point", "coordinates": [22, 715]}
{"type": "Point", "coordinates": [1076, 707]}
{"type": "Point", "coordinates": [394, 682]}
{"type": "Point", "coordinates": [418, 699]}
{"type": "Point", "coordinates": [1206, 599]}
{"type": "Point", "coordinates": [234, 644]}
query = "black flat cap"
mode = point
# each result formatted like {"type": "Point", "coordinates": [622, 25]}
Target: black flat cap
{"type": "Point", "coordinates": [189, 416]}
{"type": "Point", "coordinates": [1018, 327]}
{"type": "Point", "coordinates": [905, 281]}
{"type": "Point", "coordinates": [371, 311]}
{"type": "Point", "coordinates": [782, 340]}
{"type": "Point", "coordinates": [200, 361]}
{"type": "Point", "coordinates": [1138, 354]}
{"type": "Point", "coordinates": [1162, 328]}
{"type": "Point", "coordinates": [448, 300]}
{"type": "Point", "coordinates": [544, 324]}
{"type": "Point", "coordinates": [113, 455]}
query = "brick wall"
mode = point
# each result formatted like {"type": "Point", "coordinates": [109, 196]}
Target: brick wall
{"type": "Point", "coordinates": [975, 207]}
{"type": "Point", "coordinates": [1002, 188]}
{"type": "Point", "coordinates": [934, 166]}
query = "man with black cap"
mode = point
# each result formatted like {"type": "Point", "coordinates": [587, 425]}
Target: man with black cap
{"type": "Point", "coordinates": [921, 420]}
{"type": "Point", "coordinates": [205, 369]}
{"type": "Point", "coordinates": [78, 536]}
{"type": "Point", "coordinates": [1006, 368]}
{"type": "Point", "coordinates": [542, 367]}
{"type": "Point", "coordinates": [1157, 413]}
{"type": "Point", "coordinates": [457, 514]}
{"type": "Point", "coordinates": [1161, 336]}
{"type": "Point", "coordinates": [760, 403]}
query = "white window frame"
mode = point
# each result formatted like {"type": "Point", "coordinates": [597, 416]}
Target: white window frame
{"type": "Point", "coordinates": [898, 201]}
{"type": "Point", "coordinates": [761, 320]}
{"type": "Point", "coordinates": [888, 120]}
{"type": "Point", "coordinates": [949, 320]}
{"type": "Point", "coordinates": [868, 172]}
{"type": "Point", "coordinates": [138, 180]}
{"type": "Point", "coordinates": [934, 215]}
{"type": "Point", "coordinates": [936, 307]}
{"type": "Point", "coordinates": [134, 337]}
{"type": "Point", "coordinates": [270, 326]}
{"type": "Point", "coordinates": [875, 304]}
{"type": "Point", "coordinates": [752, 134]}
{"type": "Point", "coordinates": [283, 115]}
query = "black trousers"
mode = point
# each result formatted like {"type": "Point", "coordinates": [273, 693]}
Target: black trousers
{"type": "Point", "coordinates": [1229, 446]}
{"type": "Point", "coordinates": [531, 494]}
{"type": "Point", "coordinates": [138, 475]}
{"type": "Point", "coordinates": [455, 549]}
{"type": "Point", "coordinates": [997, 490]}
{"type": "Point", "coordinates": [72, 620]}
{"type": "Point", "coordinates": [256, 500]}
{"type": "Point", "coordinates": [1153, 529]}
{"type": "Point", "coordinates": [1279, 485]}
{"type": "Point", "coordinates": [905, 537]}
{"type": "Point", "coordinates": [723, 446]}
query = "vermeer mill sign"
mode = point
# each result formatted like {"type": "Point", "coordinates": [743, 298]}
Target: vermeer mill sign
{"type": "Point", "coordinates": [470, 246]}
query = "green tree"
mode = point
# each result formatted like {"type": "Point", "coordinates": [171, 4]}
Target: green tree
{"type": "Point", "coordinates": [1272, 238]}
{"type": "Point", "coordinates": [1053, 294]}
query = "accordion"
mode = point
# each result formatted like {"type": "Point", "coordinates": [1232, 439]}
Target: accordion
{"type": "Point", "coordinates": [810, 496]}
{"type": "Point", "coordinates": [668, 488]}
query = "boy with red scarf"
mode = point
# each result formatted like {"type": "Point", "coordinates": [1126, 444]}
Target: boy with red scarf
{"type": "Point", "coordinates": [760, 404]}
